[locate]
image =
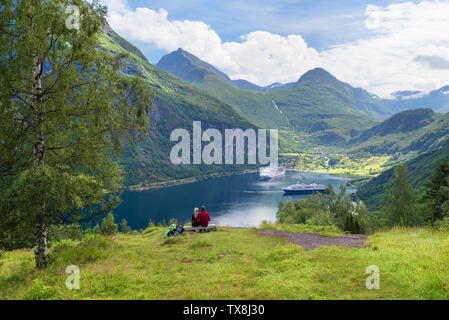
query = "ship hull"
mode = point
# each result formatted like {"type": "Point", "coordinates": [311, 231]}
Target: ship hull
{"type": "Point", "coordinates": [304, 191]}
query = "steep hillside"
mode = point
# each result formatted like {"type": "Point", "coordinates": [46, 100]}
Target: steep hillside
{"type": "Point", "coordinates": [188, 67]}
{"type": "Point", "coordinates": [252, 104]}
{"type": "Point", "coordinates": [330, 109]}
{"type": "Point", "coordinates": [420, 170]}
{"type": "Point", "coordinates": [177, 105]}
{"type": "Point", "coordinates": [404, 135]}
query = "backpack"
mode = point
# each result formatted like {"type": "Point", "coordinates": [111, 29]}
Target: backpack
{"type": "Point", "coordinates": [174, 230]}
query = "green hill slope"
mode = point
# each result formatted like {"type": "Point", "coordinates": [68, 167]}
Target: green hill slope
{"type": "Point", "coordinates": [177, 104]}
{"type": "Point", "coordinates": [420, 170]}
{"type": "Point", "coordinates": [235, 263]}
{"type": "Point", "coordinates": [331, 110]}
{"type": "Point", "coordinates": [405, 135]}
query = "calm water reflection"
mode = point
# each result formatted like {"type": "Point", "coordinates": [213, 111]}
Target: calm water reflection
{"type": "Point", "coordinates": [238, 201]}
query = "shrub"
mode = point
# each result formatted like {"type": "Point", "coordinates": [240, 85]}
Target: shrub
{"type": "Point", "coordinates": [150, 230]}
{"type": "Point", "coordinates": [173, 221]}
{"type": "Point", "coordinates": [65, 243]}
{"type": "Point", "coordinates": [41, 292]}
{"type": "Point", "coordinates": [151, 223]}
{"type": "Point", "coordinates": [124, 227]}
{"type": "Point", "coordinates": [108, 226]}
{"type": "Point", "coordinates": [444, 226]}
{"type": "Point", "coordinates": [96, 229]}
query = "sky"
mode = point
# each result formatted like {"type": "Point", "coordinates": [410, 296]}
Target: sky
{"type": "Point", "coordinates": [381, 46]}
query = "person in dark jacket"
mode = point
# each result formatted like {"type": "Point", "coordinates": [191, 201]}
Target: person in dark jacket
{"type": "Point", "coordinates": [204, 217]}
{"type": "Point", "coordinates": [195, 218]}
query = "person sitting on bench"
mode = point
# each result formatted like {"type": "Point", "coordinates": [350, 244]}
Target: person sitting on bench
{"type": "Point", "coordinates": [204, 217]}
{"type": "Point", "coordinates": [195, 218]}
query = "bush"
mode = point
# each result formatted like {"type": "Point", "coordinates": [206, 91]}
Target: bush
{"type": "Point", "coordinates": [66, 243]}
{"type": "Point", "coordinates": [444, 225]}
{"type": "Point", "coordinates": [108, 226]}
{"type": "Point", "coordinates": [331, 209]}
{"type": "Point", "coordinates": [96, 229]}
{"type": "Point", "coordinates": [321, 218]}
{"type": "Point", "coordinates": [41, 292]}
{"type": "Point", "coordinates": [150, 230]}
{"type": "Point", "coordinates": [151, 224]}
{"type": "Point", "coordinates": [173, 221]}
{"type": "Point", "coordinates": [124, 227]}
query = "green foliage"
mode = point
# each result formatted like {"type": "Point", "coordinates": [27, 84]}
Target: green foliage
{"type": "Point", "coordinates": [124, 228]}
{"type": "Point", "coordinates": [352, 224]}
{"type": "Point", "coordinates": [173, 221]}
{"type": "Point", "coordinates": [151, 223]}
{"type": "Point", "coordinates": [65, 111]}
{"type": "Point", "coordinates": [62, 231]}
{"type": "Point", "coordinates": [436, 196]}
{"type": "Point", "coordinates": [63, 244]}
{"type": "Point", "coordinates": [96, 229]}
{"type": "Point", "coordinates": [331, 209]}
{"type": "Point", "coordinates": [421, 168]}
{"type": "Point", "coordinates": [40, 291]}
{"type": "Point", "coordinates": [404, 135]}
{"type": "Point", "coordinates": [400, 201]}
{"type": "Point", "coordinates": [108, 226]}
{"type": "Point", "coordinates": [149, 230]}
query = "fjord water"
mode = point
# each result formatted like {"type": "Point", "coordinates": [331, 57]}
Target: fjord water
{"type": "Point", "coordinates": [237, 201]}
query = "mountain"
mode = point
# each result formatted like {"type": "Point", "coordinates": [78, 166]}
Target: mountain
{"type": "Point", "coordinates": [437, 100]}
{"type": "Point", "coordinates": [420, 170]}
{"type": "Point", "coordinates": [331, 110]}
{"type": "Point", "coordinates": [325, 109]}
{"type": "Point", "coordinates": [176, 105]}
{"type": "Point", "coordinates": [246, 85]}
{"type": "Point", "coordinates": [252, 104]}
{"type": "Point", "coordinates": [189, 68]}
{"type": "Point", "coordinates": [406, 134]}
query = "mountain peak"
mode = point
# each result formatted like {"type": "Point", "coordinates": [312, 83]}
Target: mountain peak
{"type": "Point", "coordinates": [317, 75]}
{"type": "Point", "coordinates": [185, 65]}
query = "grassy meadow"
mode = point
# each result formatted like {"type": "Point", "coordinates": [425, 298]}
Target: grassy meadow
{"type": "Point", "coordinates": [232, 263]}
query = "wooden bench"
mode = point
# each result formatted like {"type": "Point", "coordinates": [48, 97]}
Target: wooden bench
{"type": "Point", "coordinates": [210, 227]}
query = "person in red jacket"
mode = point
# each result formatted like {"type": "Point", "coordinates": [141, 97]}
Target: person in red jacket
{"type": "Point", "coordinates": [204, 217]}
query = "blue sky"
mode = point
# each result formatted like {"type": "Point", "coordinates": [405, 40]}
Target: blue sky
{"type": "Point", "coordinates": [379, 45]}
{"type": "Point", "coordinates": [322, 23]}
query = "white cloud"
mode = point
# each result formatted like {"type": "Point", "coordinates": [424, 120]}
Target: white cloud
{"type": "Point", "coordinates": [382, 64]}
{"type": "Point", "coordinates": [388, 61]}
{"type": "Point", "coordinates": [260, 57]}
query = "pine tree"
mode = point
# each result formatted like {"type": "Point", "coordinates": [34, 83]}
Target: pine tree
{"type": "Point", "coordinates": [64, 112]}
{"type": "Point", "coordinates": [400, 200]}
{"type": "Point", "coordinates": [436, 196]}
{"type": "Point", "coordinates": [108, 225]}
{"type": "Point", "coordinates": [124, 226]}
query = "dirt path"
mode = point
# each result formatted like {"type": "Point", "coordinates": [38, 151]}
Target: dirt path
{"type": "Point", "coordinates": [310, 241]}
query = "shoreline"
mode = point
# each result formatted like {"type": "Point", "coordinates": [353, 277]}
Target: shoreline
{"type": "Point", "coordinates": [174, 183]}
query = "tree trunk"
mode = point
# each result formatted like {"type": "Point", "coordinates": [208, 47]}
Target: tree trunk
{"type": "Point", "coordinates": [40, 251]}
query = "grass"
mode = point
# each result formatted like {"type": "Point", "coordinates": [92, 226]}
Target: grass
{"type": "Point", "coordinates": [233, 264]}
{"type": "Point", "coordinates": [341, 164]}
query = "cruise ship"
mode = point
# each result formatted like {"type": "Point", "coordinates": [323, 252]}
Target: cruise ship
{"type": "Point", "coordinates": [301, 188]}
{"type": "Point", "coordinates": [271, 172]}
